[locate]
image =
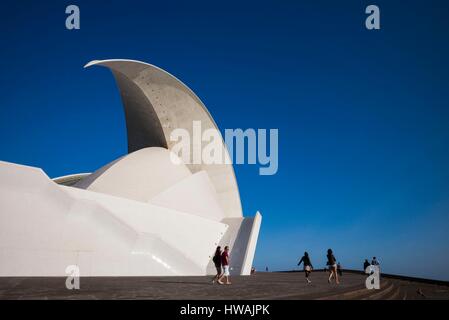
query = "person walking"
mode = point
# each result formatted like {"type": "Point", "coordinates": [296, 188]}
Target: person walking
{"type": "Point", "coordinates": [332, 263]}
{"type": "Point", "coordinates": [375, 262]}
{"type": "Point", "coordinates": [366, 264]}
{"type": "Point", "coordinates": [217, 262]}
{"type": "Point", "coordinates": [339, 270]}
{"type": "Point", "coordinates": [225, 264]}
{"type": "Point", "coordinates": [307, 265]}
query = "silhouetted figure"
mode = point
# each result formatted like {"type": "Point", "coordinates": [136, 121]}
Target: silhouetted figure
{"type": "Point", "coordinates": [307, 265]}
{"type": "Point", "coordinates": [332, 263]}
{"type": "Point", "coordinates": [376, 263]}
{"type": "Point", "coordinates": [339, 270]}
{"type": "Point", "coordinates": [366, 264]}
{"type": "Point", "coordinates": [217, 262]}
{"type": "Point", "coordinates": [266, 269]}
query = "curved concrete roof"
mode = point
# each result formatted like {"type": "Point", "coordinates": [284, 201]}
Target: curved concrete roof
{"type": "Point", "coordinates": [140, 175]}
{"type": "Point", "coordinates": [156, 103]}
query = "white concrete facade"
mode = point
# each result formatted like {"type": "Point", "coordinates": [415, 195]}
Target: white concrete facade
{"type": "Point", "coordinates": [139, 215]}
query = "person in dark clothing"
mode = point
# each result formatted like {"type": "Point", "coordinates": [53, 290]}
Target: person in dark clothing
{"type": "Point", "coordinates": [225, 264]}
{"type": "Point", "coordinates": [339, 270]}
{"type": "Point", "coordinates": [366, 264]}
{"type": "Point", "coordinates": [307, 265]}
{"type": "Point", "coordinates": [375, 262]}
{"type": "Point", "coordinates": [332, 263]}
{"type": "Point", "coordinates": [217, 262]}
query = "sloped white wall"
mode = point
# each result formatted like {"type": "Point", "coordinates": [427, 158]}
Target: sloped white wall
{"type": "Point", "coordinates": [44, 227]}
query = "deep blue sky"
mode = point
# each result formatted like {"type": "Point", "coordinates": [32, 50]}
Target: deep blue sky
{"type": "Point", "coordinates": [363, 116]}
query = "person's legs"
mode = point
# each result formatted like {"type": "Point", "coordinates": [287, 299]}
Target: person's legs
{"type": "Point", "coordinates": [217, 276]}
{"type": "Point", "coordinates": [224, 275]}
{"type": "Point", "coordinates": [227, 275]}
{"type": "Point", "coordinates": [334, 271]}
{"type": "Point", "coordinates": [331, 273]}
{"type": "Point", "coordinates": [220, 278]}
{"type": "Point", "coordinates": [307, 276]}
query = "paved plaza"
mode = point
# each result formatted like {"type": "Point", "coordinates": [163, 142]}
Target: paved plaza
{"type": "Point", "coordinates": [272, 285]}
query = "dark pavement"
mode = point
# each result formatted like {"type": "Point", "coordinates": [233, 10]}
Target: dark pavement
{"type": "Point", "coordinates": [287, 285]}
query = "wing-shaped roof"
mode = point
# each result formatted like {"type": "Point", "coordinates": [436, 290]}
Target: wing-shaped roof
{"type": "Point", "coordinates": [156, 103]}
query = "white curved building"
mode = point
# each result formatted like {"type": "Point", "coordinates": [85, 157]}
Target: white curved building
{"type": "Point", "coordinates": [139, 215]}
